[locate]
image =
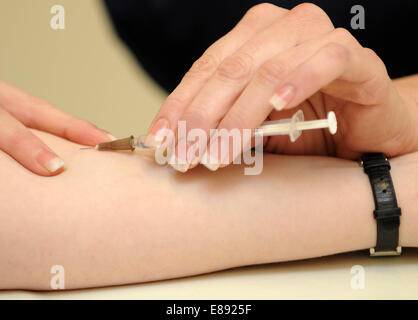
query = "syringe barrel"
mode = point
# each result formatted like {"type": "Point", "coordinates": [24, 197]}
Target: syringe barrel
{"type": "Point", "coordinates": [273, 129]}
{"type": "Point", "coordinates": [313, 124]}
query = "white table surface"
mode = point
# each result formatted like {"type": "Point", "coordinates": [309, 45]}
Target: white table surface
{"type": "Point", "coordinates": [321, 278]}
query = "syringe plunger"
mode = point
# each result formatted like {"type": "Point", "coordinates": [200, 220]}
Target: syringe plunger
{"type": "Point", "coordinates": [295, 125]}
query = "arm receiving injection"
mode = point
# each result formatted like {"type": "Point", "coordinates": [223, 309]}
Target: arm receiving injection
{"type": "Point", "coordinates": [117, 218]}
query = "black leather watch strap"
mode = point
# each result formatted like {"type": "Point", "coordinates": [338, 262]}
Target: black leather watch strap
{"type": "Point", "coordinates": [387, 212]}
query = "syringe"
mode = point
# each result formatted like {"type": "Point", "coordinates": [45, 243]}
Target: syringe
{"type": "Point", "coordinates": [292, 126]}
{"type": "Point", "coordinates": [295, 125]}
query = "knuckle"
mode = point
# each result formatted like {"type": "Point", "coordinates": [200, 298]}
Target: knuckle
{"type": "Point", "coordinates": [174, 102]}
{"type": "Point", "coordinates": [310, 18]}
{"type": "Point", "coordinates": [30, 120]}
{"type": "Point", "coordinates": [203, 67]}
{"type": "Point", "coordinates": [236, 67]}
{"type": "Point", "coordinates": [172, 106]}
{"type": "Point", "coordinates": [40, 103]}
{"type": "Point", "coordinates": [372, 54]}
{"type": "Point", "coordinates": [258, 12]}
{"type": "Point", "coordinates": [67, 131]}
{"type": "Point", "coordinates": [313, 76]}
{"type": "Point", "coordinates": [271, 72]}
{"type": "Point", "coordinates": [236, 120]}
{"type": "Point", "coordinates": [342, 34]}
{"type": "Point", "coordinates": [375, 91]}
{"type": "Point", "coordinates": [196, 117]}
{"type": "Point", "coordinates": [83, 123]}
{"type": "Point", "coordinates": [19, 140]}
{"type": "Point", "coordinates": [309, 9]}
{"type": "Point", "coordinates": [336, 51]}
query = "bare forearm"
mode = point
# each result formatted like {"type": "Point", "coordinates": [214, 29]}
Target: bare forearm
{"type": "Point", "coordinates": [408, 86]}
{"type": "Point", "coordinates": [117, 218]}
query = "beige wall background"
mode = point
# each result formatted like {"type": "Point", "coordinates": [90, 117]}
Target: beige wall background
{"type": "Point", "coordinates": [83, 69]}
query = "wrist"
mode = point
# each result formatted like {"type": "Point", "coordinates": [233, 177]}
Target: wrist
{"type": "Point", "coordinates": [406, 96]}
{"type": "Point", "coordinates": [404, 175]}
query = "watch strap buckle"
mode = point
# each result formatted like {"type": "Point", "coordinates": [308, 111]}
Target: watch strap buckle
{"type": "Point", "coordinates": [386, 253]}
{"type": "Point", "coordinates": [375, 162]}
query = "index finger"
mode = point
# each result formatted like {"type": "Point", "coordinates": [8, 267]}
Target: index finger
{"type": "Point", "coordinates": [39, 114]}
{"type": "Point", "coordinates": [206, 65]}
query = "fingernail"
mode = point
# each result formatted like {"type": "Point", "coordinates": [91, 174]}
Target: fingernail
{"type": "Point", "coordinates": [211, 157]}
{"type": "Point", "coordinates": [225, 150]}
{"type": "Point", "coordinates": [180, 156]}
{"type": "Point", "coordinates": [210, 163]}
{"type": "Point", "coordinates": [194, 156]}
{"type": "Point", "coordinates": [282, 97]}
{"type": "Point", "coordinates": [54, 164]}
{"type": "Point", "coordinates": [111, 137]}
{"type": "Point", "coordinates": [157, 133]}
{"type": "Point", "coordinates": [179, 164]}
{"type": "Point", "coordinates": [180, 167]}
{"type": "Point", "coordinates": [212, 167]}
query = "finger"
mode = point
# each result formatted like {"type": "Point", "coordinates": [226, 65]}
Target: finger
{"type": "Point", "coordinates": [252, 107]}
{"type": "Point", "coordinates": [27, 149]}
{"type": "Point", "coordinates": [364, 74]}
{"type": "Point", "coordinates": [36, 113]}
{"type": "Point", "coordinates": [235, 72]}
{"type": "Point", "coordinates": [331, 66]}
{"type": "Point", "coordinates": [205, 66]}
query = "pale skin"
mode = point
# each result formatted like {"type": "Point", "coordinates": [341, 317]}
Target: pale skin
{"type": "Point", "coordinates": [118, 218]}
{"type": "Point", "coordinates": [273, 58]}
{"type": "Point", "coordinates": [21, 111]}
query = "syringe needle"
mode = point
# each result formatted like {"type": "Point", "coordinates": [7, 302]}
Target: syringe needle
{"type": "Point", "coordinates": [130, 143]}
{"type": "Point", "coordinates": [119, 144]}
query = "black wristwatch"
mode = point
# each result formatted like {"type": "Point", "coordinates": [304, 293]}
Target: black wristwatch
{"type": "Point", "coordinates": [387, 213]}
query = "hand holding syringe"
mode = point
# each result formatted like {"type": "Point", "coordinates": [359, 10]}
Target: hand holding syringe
{"type": "Point", "coordinates": [292, 126]}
